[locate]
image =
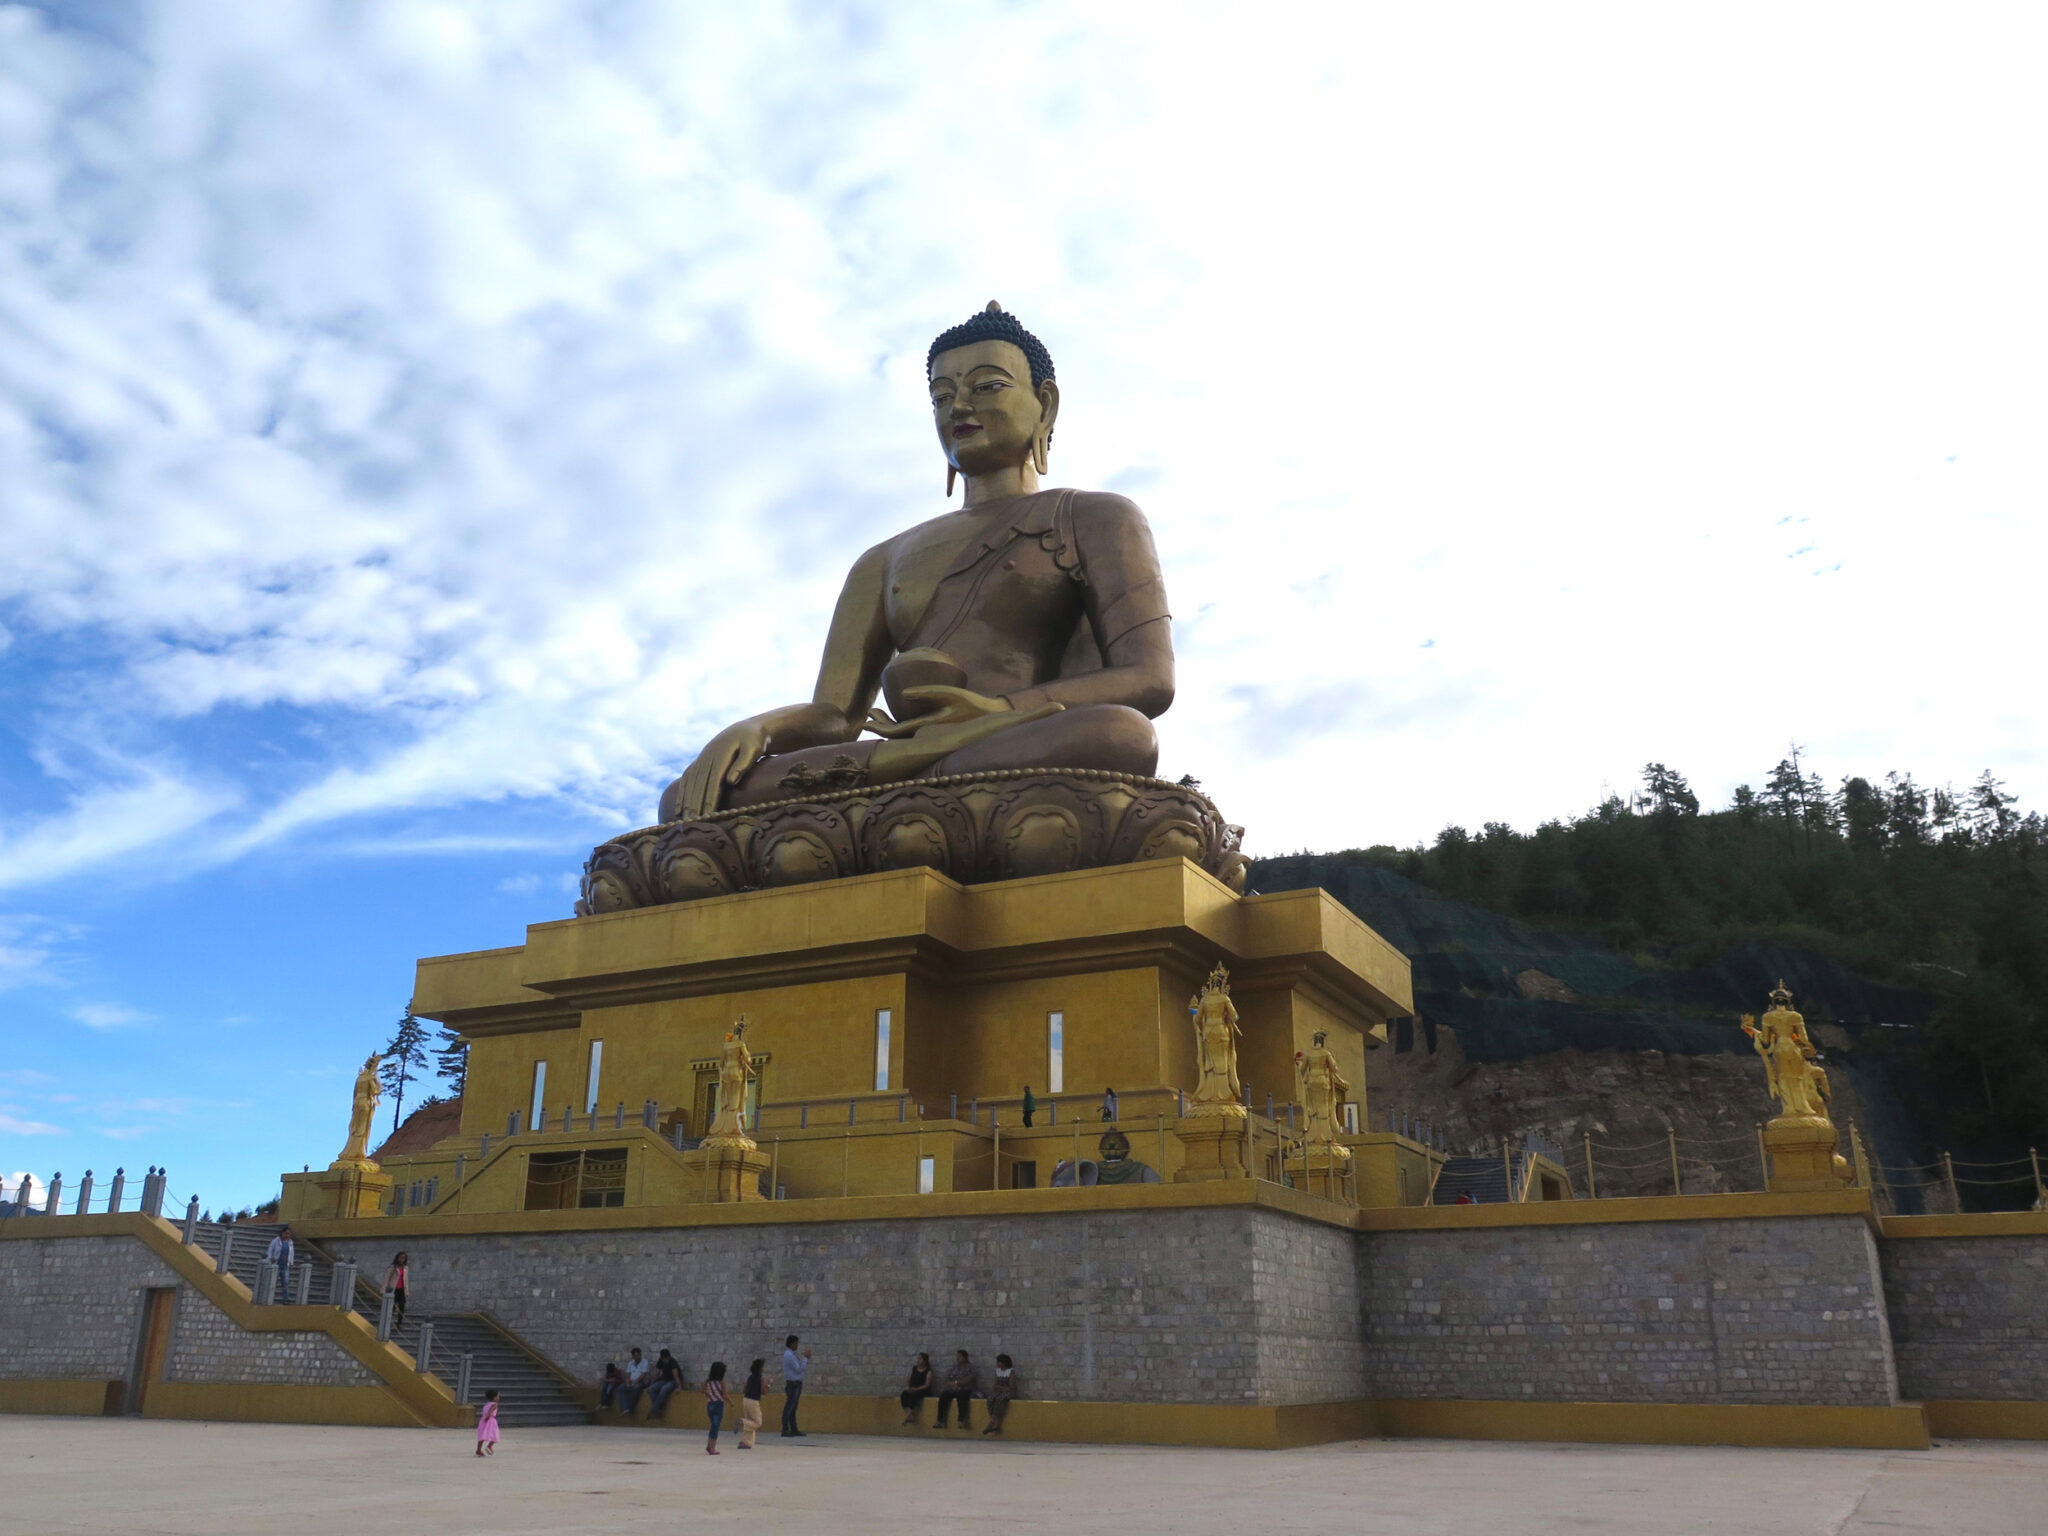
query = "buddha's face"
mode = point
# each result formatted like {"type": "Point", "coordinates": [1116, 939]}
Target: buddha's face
{"type": "Point", "coordinates": [984, 407]}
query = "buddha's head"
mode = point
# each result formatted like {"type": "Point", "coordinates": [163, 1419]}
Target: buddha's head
{"type": "Point", "coordinates": [993, 395]}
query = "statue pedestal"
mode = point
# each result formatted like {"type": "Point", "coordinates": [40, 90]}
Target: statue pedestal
{"type": "Point", "coordinates": [1324, 1171]}
{"type": "Point", "coordinates": [1802, 1152]}
{"type": "Point", "coordinates": [339, 1194]}
{"type": "Point", "coordinates": [1213, 1143]}
{"type": "Point", "coordinates": [730, 1170]}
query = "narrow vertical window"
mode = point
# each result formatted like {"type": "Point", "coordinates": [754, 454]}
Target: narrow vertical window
{"type": "Point", "coordinates": [596, 1065]}
{"type": "Point", "coordinates": [1055, 1053]}
{"type": "Point", "coordinates": [882, 1021]}
{"type": "Point", "coordinates": [926, 1168]}
{"type": "Point", "coordinates": [537, 1121]}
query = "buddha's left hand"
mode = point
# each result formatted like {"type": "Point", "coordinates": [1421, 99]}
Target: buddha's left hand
{"type": "Point", "coordinates": [953, 706]}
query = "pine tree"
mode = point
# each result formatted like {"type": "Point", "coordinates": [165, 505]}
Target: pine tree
{"type": "Point", "coordinates": [451, 1059]}
{"type": "Point", "coordinates": [404, 1059]}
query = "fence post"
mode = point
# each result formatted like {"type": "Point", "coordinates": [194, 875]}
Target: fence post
{"type": "Point", "coordinates": [191, 1219]}
{"type": "Point", "coordinates": [85, 1193]}
{"type": "Point", "coordinates": [619, 1118]}
{"type": "Point", "coordinates": [227, 1245]}
{"type": "Point", "coordinates": [775, 1170]}
{"type": "Point", "coordinates": [1763, 1156]}
{"type": "Point", "coordinates": [421, 1362]}
{"type": "Point", "coordinates": [302, 1283]}
{"type": "Point", "coordinates": [678, 1133]}
{"type": "Point", "coordinates": [952, 1107]}
{"type": "Point", "coordinates": [511, 1122]}
{"type": "Point", "coordinates": [341, 1285]}
{"type": "Point", "coordinates": [384, 1317]}
{"type": "Point", "coordinates": [846, 1160]}
{"type": "Point", "coordinates": [53, 1195]}
{"type": "Point", "coordinates": [2040, 1194]}
{"type": "Point", "coordinates": [266, 1283]}
{"type": "Point", "coordinates": [114, 1190]}
{"type": "Point", "coordinates": [1677, 1188]}
{"type": "Point", "coordinates": [462, 1370]}
{"type": "Point", "coordinates": [483, 1154]}
{"type": "Point", "coordinates": [1591, 1192]}
{"type": "Point", "coordinates": [1948, 1169]}
{"type": "Point", "coordinates": [1507, 1173]}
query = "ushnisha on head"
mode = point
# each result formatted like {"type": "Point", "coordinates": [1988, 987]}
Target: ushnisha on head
{"type": "Point", "coordinates": [994, 398]}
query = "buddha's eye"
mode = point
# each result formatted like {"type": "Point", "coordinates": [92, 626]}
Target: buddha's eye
{"type": "Point", "coordinates": [989, 386]}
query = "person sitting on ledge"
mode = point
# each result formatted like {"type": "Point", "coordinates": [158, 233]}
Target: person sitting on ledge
{"type": "Point", "coordinates": [1027, 630]}
{"type": "Point", "coordinates": [610, 1385]}
{"type": "Point", "coordinates": [636, 1382]}
{"type": "Point", "coordinates": [668, 1380]}
{"type": "Point", "coordinates": [959, 1389]}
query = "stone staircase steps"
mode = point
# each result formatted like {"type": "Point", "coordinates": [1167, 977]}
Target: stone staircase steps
{"type": "Point", "coordinates": [530, 1392]}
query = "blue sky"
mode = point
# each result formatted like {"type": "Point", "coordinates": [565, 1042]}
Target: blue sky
{"type": "Point", "coordinates": [422, 425]}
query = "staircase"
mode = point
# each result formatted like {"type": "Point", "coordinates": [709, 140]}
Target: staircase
{"type": "Point", "coordinates": [530, 1391]}
{"type": "Point", "coordinates": [1485, 1179]}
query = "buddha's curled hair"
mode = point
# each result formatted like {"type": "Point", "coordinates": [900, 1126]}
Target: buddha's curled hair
{"type": "Point", "coordinates": [992, 324]}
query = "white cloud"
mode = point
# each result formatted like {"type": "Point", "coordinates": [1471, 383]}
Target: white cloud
{"type": "Point", "coordinates": [519, 885]}
{"type": "Point", "coordinates": [13, 1125]}
{"type": "Point", "coordinates": [413, 406]}
{"type": "Point", "coordinates": [109, 1015]}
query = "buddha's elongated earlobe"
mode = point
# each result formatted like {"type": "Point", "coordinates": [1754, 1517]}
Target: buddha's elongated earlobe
{"type": "Point", "coordinates": [950, 473]}
{"type": "Point", "coordinates": [1041, 445]}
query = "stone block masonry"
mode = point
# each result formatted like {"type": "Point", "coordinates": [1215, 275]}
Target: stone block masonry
{"type": "Point", "coordinates": [1232, 1306]}
{"type": "Point", "coordinates": [1761, 1310]}
{"type": "Point", "coordinates": [72, 1310]}
{"type": "Point", "coordinates": [1969, 1316]}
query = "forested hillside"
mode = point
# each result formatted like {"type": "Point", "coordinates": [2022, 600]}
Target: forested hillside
{"type": "Point", "coordinates": [1931, 905]}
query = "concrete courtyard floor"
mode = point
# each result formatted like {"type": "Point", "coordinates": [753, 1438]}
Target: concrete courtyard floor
{"type": "Point", "coordinates": [138, 1478]}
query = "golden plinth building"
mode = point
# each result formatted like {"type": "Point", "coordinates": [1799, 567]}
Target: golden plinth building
{"type": "Point", "coordinates": [896, 1020]}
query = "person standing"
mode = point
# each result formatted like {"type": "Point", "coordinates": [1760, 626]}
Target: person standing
{"type": "Point", "coordinates": [487, 1425]}
{"type": "Point", "coordinates": [282, 1252]}
{"type": "Point", "coordinates": [750, 1405]}
{"type": "Point", "coordinates": [1001, 1393]}
{"type": "Point", "coordinates": [959, 1389]}
{"type": "Point", "coordinates": [714, 1402]}
{"type": "Point", "coordinates": [1109, 1104]}
{"type": "Point", "coordinates": [794, 1367]}
{"type": "Point", "coordinates": [394, 1287]}
{"type": "Point", "coordinates": [1030, 1106]}
{"type": "Point", "coordinates": [917, 1388]}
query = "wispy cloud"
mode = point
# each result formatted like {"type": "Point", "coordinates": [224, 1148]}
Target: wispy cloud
{"type": "Point", "coordinates": [13, 1125]}
{"type": "Point", "coordinates": [110, 1015]}
{"type": "Point", "coordinates": [423, 408]}
{"type": "Point", "coordinates": [519, 885]}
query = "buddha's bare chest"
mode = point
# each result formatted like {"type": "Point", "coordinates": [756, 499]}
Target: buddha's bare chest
{"type": "Point", "coordinates": [1010, 583]}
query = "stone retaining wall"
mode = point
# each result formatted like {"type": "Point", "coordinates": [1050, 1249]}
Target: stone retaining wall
{"type": "Point", "coordinates": [1239, 1306]}
{"type": "Point", "coordinates": [1969, 1316]}
{"type": "Point", "coordinates": [1752, 1310]}
{"type": "Point", "coordinates": [71, 1309]}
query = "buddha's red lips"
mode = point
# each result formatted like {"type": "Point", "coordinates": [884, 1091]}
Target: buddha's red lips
{"type": "Point", "coordinates": [967, 429]}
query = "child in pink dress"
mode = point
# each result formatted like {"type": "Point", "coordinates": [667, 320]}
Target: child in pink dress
{"type": "Point", "coordinates": [487, 1425]}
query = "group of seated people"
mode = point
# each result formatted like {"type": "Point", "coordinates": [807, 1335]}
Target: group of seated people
{"type": "Point", "coordinates": [961, 1386]}
{"type": "Point", "coordinates": [621, 1388]}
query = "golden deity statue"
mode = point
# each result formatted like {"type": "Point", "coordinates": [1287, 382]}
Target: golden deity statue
{"type": "Point", "coordinates": [1797, 1081]}
{"type": "Point", "coordinates": [1215, 1018]}
{"type": "Point", "coordinates": [1323, 1091]}
{"type": "Point", "coordinates": [735, 1072]}
{"type": "Point", "coordinates": [1801, 1139]}
{"type": "Point", "coordinates": [1026, 630]}
{"type": "Point", "coordinates": [356, 1154]}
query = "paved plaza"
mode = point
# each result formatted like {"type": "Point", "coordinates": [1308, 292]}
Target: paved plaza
{"type": "Point", "coordinates": [141, 1478]}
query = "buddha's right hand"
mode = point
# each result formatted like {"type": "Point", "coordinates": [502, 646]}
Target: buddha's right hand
{"type": "Point", "coordinates": [722, 764]}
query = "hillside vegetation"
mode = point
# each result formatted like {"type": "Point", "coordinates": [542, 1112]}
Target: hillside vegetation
{"type": "Point", "coordinates": [1927, 890]}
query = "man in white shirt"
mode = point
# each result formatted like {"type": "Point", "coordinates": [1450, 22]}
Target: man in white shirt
{"type": "Point", "coordinates": [794, 1366]}
{"type": "Point", "coordinates": [636, 1383]}
{"type": "Point", "coordinates": [283, 1253]}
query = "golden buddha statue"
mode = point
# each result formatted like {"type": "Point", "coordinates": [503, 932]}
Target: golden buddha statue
{"type": "Point", "coordinates": [735, 1072]}
{"type": "Point", "coordinates": [1801, 1139]}
{"type": "Point", "coordinates": [356, 1153]}
{"type": "Point", "coordinates": [1323, 1091]}
{"type": "Point", "coordinates": [1218, 1091]}
{"type": "Point", "coordinates": [1796, 1080]}
{"type": "Point", "coordinates": [1026, 630]}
